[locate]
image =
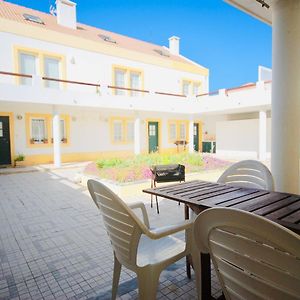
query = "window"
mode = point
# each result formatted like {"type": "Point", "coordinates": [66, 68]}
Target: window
{"type": "Point", "coordinates": [134, 82]}
{"type": "Point", "coordinates": [38, 131]}
{"type": "Point", "coordinates": [122, 130]}
{"type": "Point", "coordinates": [127, 78]}
{"type": "Point", "coordinates": [162, 52]}
{"type": "Point", "coordinates": [107, 38]}
{"type": "Point", "coordinates": [172, 131]}
{"type": "Point", "coordinates": [178, 131]}
{"type": "Point", "coordinates": [27, 66]}
{"type": "Point", "coordinates": [41, 63]}
{"type": "Point", "coordinates": [185, 88]}
{"type": "Point", "coordinates": [32, 18]}
{"type": "Point", "coordinates": [118, 131]}
{"type": "Point", "coordinates": [51, 71]}
{"type": "Point", "coordinates": [196, 88]}
{"type": "Point", "coordinates": [190, 87]}
{"type": "Point", "coordinates": [120, 81]}
{"type": "Point", "coordinates": [152, 130]}
{"type": "Point", "coordinates": [182, 132]}
{"type": "Point", "coordinates": [130, 131]}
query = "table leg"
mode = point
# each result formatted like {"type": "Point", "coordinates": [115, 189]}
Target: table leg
{"type": "Point", "coordinates": [188, 258]}
{"type": "Point", "coordinates": [205, 276]}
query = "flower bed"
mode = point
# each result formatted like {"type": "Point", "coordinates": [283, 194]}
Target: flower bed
{"type": "Point", "coordinates": [135, 168]}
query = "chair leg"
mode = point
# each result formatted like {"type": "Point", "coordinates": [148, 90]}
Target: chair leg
{"type": "Point", "coordinates": [148, 283]}
{"type": "Point", "coordinates": [197, 271]}
{"type": "Point", "coordinates": [151, 194]}
{"type": "Point", "coordinates": [116, 278]}
{"type": "Point", "coordinates": [157, 209]}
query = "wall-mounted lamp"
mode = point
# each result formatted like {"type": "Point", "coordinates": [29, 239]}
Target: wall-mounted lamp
{"type": "Point", "coordinates": [72, 60]}
{"type": "Point", "coordinates": [19, 117]}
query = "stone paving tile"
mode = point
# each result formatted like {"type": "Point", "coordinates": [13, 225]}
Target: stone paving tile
{"type": "Point", "coordinates": [53, 244]}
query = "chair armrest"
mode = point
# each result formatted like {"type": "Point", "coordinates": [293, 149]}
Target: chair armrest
{"type": "Point", "coordinates": [141, 205]}
{"type": "Point", "coordinates": [170, 229]}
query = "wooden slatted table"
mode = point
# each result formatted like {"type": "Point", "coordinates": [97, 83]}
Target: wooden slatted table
{"type": "Point", "coordinates": [282, 208]}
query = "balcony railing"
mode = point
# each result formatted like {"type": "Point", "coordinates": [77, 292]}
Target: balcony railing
{"type": "Point", "coordinates": [38, 89]}
{"type": "Point", "coordinates": [133, 91]}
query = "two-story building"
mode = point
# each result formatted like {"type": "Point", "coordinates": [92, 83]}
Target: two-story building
{"type": "Point", "coordinates": [71, 92]}
{"type": "Point", "coordinates": [79, 92]}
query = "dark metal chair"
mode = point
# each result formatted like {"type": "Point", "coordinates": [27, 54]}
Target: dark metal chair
{"type": "Point", "coordinates": [166, 173]}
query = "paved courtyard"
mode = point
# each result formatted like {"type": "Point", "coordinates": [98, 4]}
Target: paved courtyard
{"type": "Point", "coordinates": [53, 244]}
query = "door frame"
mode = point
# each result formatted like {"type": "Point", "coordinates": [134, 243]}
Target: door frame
{"type": "Point", "coordinates": [159, 133]}
{"type": "Point", "coordinates": [10, 116]}
{"type": "Point", "coordinates": [200, 134]}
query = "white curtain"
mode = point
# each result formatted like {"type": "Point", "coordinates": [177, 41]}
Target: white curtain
{"type": "Point", "coordinates": [52, 71]}
{"type": "Point", "coordinates": [27, 66]}
{"type": "Point", "coordinates": [119, 81]}
{"type": "Point", "coordinates": [38, 130]}
{"type": "Point", "coordinates": [134, 82]}
{"type": "Point", "coordinates": [118, 131]}
{"type": "Point", "coordinates": [130, 131]}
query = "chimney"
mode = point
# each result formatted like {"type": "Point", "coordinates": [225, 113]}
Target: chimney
{"type": "Point", "coordinates": [66, 13]}
{"type": "Point", "coordinates": [174, 45]}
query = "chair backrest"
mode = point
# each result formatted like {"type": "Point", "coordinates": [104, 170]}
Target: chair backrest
{"type": "Point", "coordinates": [250, 174]}
{"type": "Point", "coordinates": [123, 227]}
{"type": "Point", "coordinates": [254, 258]}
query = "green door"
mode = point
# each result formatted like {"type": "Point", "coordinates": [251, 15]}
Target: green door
{"type": "Point", "coordinates": [196, 137]}
{"type": "Point", "coordinates": [153, 136]}
{"type": "Point", "coordinates": [5, 157]}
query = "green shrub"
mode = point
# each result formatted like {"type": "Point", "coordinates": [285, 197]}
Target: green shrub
{"type": "Point", "coordinates": [133, 168]}
{"type": "Point", "coordinates": [20, 157]}
{"type": "Point", "coordinates": [108, 163]}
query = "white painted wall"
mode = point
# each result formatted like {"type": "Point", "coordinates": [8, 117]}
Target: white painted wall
{"type": "Point", "coordinates": [239, 138]}
{"type": "Point", "coordinates": [89, 129]}
{"type": "Point", "coordinates": [94, 67]}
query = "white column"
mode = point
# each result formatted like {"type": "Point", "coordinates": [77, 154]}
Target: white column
{"type": "Point", "coordinates": [56, 139]}
{"type": "Point", "coordinates": [286, 95]}
{"type": "Point", "coordinates": [137, 136]}
{"type": "Point", "coordinates": [191, 136]}
{"type": "Point", "coordinates": [262, 135]}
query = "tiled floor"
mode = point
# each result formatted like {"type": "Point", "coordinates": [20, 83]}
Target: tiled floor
{"type": "Point", "coordinates": [53, 244]}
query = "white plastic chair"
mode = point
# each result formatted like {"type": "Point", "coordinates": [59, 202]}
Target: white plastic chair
{"type": "Point", "coordinates": [250, 174]}
{"type": "Point", "coordinates": [254, 258]}
{"type": "Point", "coordinates": [143, 250]}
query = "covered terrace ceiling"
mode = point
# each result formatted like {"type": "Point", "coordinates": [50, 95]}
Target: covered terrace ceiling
{"type": "Point", "coordinates": [260, 9]}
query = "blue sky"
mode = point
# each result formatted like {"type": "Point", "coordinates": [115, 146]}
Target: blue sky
{"type": "Point", "coordinates": [214, 34]}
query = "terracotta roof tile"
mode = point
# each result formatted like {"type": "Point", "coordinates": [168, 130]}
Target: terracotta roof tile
{"type": "Point", "coordinates": [15, 13]}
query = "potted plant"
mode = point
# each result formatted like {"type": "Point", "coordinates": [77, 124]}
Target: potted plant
{"type": "Point", "coordinates": [19, 160]}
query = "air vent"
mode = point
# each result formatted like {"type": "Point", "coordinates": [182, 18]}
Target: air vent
{"type": "Point", "coordinates": [161, 52]}
{"type": "Point", "coordinates": [107, 38]}
{"type": "Point", "coordinates": [32, 18]}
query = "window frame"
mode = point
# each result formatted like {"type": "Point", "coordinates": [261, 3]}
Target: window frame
{"type": "Point", "coordinates": [191, 87]}
{"type": "Point", "coordinates": [128, 71]}
{"type": "Point", "coordinates": [178, 124]}
{"type": "Point", "coordinates": [43, 140]}
{"type": "Point", "coordinates": [40, 55]}
{"type": "Point", "coordinates": [125, 138]}
{"type": "Point", "coordinates": [19, 70]}
{"type": "Point", "coordinates": [48, 141]}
